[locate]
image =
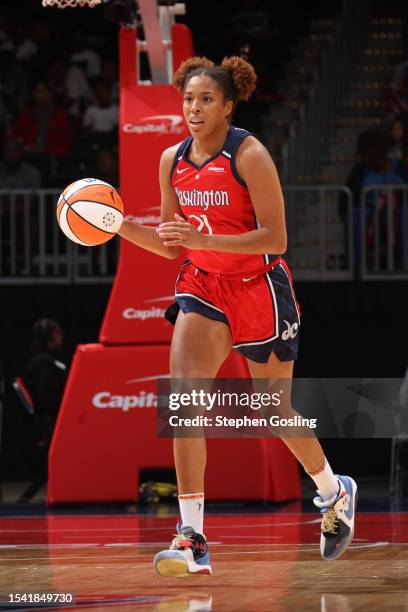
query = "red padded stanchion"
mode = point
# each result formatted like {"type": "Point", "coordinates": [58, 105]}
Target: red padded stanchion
{"type": "Point", "coordinates": [106, 428]}
{"type": "Point", "coordinates": [106, 434]}
{"type": "Point", "coordinates": [150, 121]}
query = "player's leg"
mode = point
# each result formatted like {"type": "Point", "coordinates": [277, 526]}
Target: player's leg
{"type": "Point", "coordinates": [307, 449]}
{"type": "Point", "coordinates": [336, 495]}
{"type": "Point", "coordinates": [199, 347]}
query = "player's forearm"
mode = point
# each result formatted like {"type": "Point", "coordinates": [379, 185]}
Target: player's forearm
{"type": "Point", "coordinates": [147, 238]}
{"type": "Point", "coordinates": [257, 242]}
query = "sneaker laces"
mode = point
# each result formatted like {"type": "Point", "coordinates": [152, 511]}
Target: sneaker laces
{"type": "Point", "coordinates": [180, 541]}
{"type": "Point", "coordinates": [330, 520]}
{"type": "Point", "coordinates": [188, 538]}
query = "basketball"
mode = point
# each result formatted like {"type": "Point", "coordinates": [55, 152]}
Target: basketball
{"type": "Point", "coordinates": [89, 211]}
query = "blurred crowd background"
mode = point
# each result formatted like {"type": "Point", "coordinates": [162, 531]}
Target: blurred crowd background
{"type": "Point", "coordinates": [58, 98]}
{"type": "Point", "coordinates": [59, 81]}
{"type": "Point", "coordinates": [59, 88]}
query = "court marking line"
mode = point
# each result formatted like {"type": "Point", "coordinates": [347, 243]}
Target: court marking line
{"type": "Point", "coordinates": [245, 552]}
{"type": "Point", "coordinates": [142, 516]}
{"type": "Point", "coordinates": [366, 514]}
{"type": "Point", "coordinates": [155, 544]}
{"type": "Point", "coordinates": [317, 547]}
{"type": "Point", "coordinates": [101, 529]}
{"type": "Point", "coordinates": [93, 546]}
{"type": "Point", "coordinates": [370, 545]}
{"type": "Point", "coordinates": [232, 536]}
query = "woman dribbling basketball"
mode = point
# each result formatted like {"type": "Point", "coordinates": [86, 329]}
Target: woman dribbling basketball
{"type": "Point", "coordinates": [222, 201]}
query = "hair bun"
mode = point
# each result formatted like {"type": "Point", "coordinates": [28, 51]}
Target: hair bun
{"type": "Point", "coordinates": [243, 76]}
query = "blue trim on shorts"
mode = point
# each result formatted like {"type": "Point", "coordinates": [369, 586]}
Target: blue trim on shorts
{"type": "Point", "coordinates": [193, 304]}
{"type": "Point", "coordinates": [285, 350]}
{"type": "Point", "coordinates": [261, 354]}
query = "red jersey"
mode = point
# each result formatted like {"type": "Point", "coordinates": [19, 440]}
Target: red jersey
{"type": "Point", "coordinates": [215, 199]}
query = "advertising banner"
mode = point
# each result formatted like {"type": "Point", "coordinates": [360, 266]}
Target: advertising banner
{"type": "Point", "coordinates": [105, 434]}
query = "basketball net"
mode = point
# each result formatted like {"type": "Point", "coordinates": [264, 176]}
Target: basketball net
{"type": "Point", "coordinates": [71, 3]}
{"type": "Point", "coordinates": [157, 24]}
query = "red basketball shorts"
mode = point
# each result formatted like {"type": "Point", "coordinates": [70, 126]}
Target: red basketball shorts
{"type": "Point", "coordinates": [260, 307]}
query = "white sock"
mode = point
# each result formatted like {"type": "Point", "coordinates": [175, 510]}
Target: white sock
{"type": "Point", "coordinates": [326, 482]}
{"type": "Point", "coordinates": [192, 510]}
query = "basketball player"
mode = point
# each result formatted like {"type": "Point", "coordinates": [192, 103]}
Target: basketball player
{"type": "Point", "coordinates": [222, 202]}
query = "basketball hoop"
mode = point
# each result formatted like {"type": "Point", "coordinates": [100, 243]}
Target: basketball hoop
{"type": "Point", "coordinates": [61, 4]}
{"type": "Point", "coordinates": [157, 17]}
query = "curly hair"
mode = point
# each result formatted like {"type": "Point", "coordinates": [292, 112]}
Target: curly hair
{"type": "Point", "coordinates": [234, 76]}
{"type": "Point", "coordinates": [243, 76]}
{"type": "Point", "coordinates": [193, 64]}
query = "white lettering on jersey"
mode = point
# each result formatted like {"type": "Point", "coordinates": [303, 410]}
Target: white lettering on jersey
{"type": "Point", "coordinates": [207, 198]}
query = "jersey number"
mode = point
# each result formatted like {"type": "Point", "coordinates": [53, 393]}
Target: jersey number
{"type": "Point", "coordinates": [202, 223]}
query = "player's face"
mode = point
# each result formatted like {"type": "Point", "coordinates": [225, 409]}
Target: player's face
{"type": "Point", "coordinates": [204, 107]}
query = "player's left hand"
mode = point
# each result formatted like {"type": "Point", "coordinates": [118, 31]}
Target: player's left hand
{"type": "Point", "coordinates": [181, 233]}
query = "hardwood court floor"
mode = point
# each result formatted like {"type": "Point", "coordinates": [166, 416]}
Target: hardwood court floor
{"type": "Point", "coordinates": [265, 561]}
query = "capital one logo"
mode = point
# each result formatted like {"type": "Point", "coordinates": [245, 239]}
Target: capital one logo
{"type": "Point", "coordinates": [105, 399]}
{"type": "Point", "coordinates": [291, 331]}
{"type": "Point", "coordinates": [149, 215]}
{"type": "Point", "coordinates": [124, 402]}
{"type": "Point", "coordinates": [152, 312]}
{"type": "Point", "coordinates": [156, 124]}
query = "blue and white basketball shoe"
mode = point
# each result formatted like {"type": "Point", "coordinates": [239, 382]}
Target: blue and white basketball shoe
{"type": "Point", "coordinates": [337, 529]}
{"type": "Point", "coordinates": [188, 554]}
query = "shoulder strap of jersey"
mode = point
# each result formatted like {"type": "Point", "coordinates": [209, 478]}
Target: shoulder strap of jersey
{"type": "Point", "coordinates": [179, 154]}
{"type": "Point", "coordinates": [234, 139]}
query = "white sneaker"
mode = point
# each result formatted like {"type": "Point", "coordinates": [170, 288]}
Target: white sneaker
{"type": "Point", "coordinates": [338, 519]}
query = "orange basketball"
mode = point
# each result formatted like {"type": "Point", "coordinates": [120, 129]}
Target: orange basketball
{"type": "Point", "coordinates": [89, 211]}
